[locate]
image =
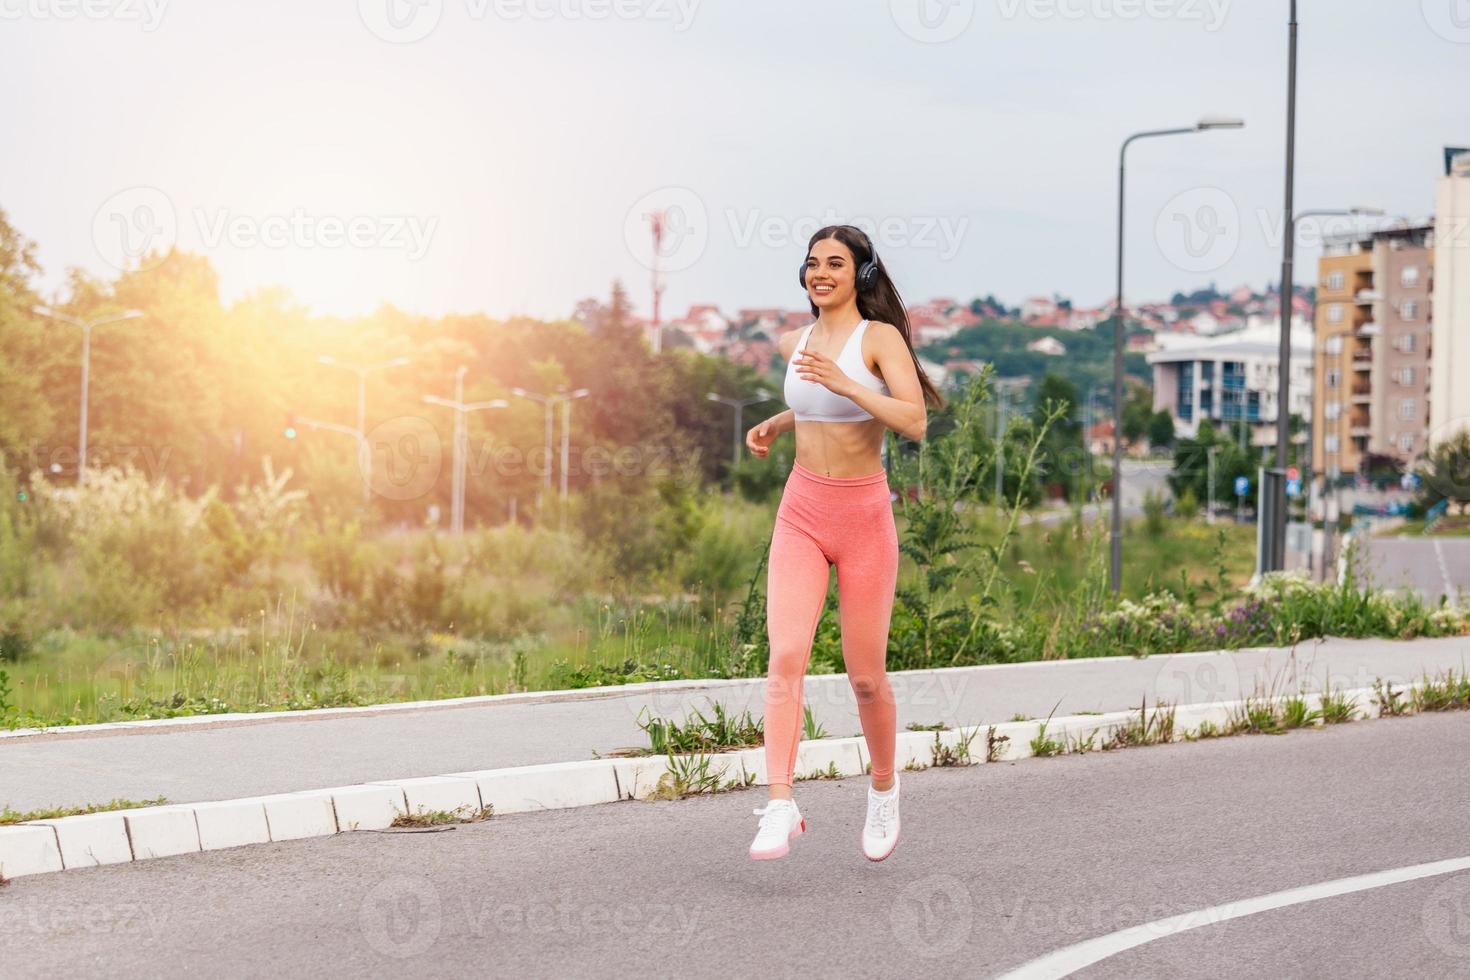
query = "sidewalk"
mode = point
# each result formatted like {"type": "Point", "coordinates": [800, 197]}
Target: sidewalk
{"type": "Point", "coordinates": [211, 759]}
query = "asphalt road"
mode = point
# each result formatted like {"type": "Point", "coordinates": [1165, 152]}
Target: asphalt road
{"type": "Point", "coordinates": [1000, 864]}
{"type": "Point", "coordinates": [1430, 566]}
{"type": "Point", "coordinates": [287, 752]}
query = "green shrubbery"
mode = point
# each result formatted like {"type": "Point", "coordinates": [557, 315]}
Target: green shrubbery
{"type": "Point", "coordinates": [124, 598]}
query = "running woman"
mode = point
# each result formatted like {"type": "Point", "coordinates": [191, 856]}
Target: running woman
{"type": "Point", "coordinates": [850, 376]}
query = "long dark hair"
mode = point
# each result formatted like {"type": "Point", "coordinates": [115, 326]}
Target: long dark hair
{"type": "Point", "coordinates": [882, 303]}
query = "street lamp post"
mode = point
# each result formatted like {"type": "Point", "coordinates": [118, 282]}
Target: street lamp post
{"type": "Point", "coordinates": [1116, 567]}
{"type": "Point", "coordinates": [87, 326]}
{"type": "Point", "coordinates": [461, 443]}
{"type": "Point", "coordinates": [362, 371]}
{"type": "Point", "coordinates": [566, 430]}
{"type": "Point", "coordinates": [346, 430]}
{"type": "Point", "coordinates": [1210, 484]}
{"type": "Point", "coordinates": [550, 402]}
{"type": "Point", "coordinates": [739, 404]}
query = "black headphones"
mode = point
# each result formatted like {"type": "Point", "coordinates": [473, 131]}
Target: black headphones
{"type": "Point", "coordinates": [867, 274]}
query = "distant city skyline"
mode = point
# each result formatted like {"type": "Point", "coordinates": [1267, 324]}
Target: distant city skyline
{"type": "Point", "coordinates": [492, 156]}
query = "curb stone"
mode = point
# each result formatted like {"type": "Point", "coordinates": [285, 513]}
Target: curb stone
{"type": "Point", "coordinates": [111, 837]}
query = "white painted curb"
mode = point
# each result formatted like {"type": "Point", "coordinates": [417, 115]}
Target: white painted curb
{"type": "Point", "coordinates": [28, 850]}
{"type": "Point", "coordinates": [113, 837]}
{"type": "Point", "coordinates": [91, 839]}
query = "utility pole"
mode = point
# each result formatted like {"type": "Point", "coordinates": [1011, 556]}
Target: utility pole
{"type": "Point", "coordinates": [657, 220]}
{"type": "Point", "coordinates": [1275, 559]}
{"type": "Point", "coordinates": [1210, 484]}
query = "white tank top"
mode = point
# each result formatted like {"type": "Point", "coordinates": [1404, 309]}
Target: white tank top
{"type": "Point", "coordinates": [814, 402]}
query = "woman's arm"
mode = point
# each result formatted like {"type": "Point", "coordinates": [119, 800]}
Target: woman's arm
{"type": "Point", "coordinates": [903, 409]}
{"type": "Point", "coordinates": [783, 422]}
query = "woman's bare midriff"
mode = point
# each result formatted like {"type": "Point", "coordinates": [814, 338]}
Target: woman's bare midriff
{"type": "Point", "coordinates": [840, 449]}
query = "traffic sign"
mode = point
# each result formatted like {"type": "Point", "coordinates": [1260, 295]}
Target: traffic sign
{"type": "Point", "coordinates": [1242, 486]}
{"type": "Point", "coordinates": [1292, 473]}
{"type": "Point", "coordinates": [1293, 487]}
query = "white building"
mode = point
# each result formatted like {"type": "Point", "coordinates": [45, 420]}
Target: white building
{"type": "Point", "coordinates": [1232, 377]}
{"type": "Point", "coordinates": [1449, 358]}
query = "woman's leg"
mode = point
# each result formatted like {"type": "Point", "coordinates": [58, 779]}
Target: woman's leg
{"type": "Point", "coordinates": [796, 589]}
{"type": "Point", "coordinates": [867, 573]}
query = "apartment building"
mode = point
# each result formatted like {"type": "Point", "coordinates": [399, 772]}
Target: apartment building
{"type": "Point", "coordinates": [1232, 377]}
{"type": "Point", "coordinates": [1449, 407]}
{"type": "Point", "coordinates": [1371, 368]}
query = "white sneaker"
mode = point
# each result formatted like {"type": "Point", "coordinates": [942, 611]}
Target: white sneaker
{"type": "Point", "coordinates": [780, 821]}
{"type": "Point", "coordinates": [880, 832]}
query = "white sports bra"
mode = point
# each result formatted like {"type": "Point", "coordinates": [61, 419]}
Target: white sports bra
{"type": "Point", "coordinates": [814, 402]}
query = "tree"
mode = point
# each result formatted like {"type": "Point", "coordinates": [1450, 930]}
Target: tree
{"type": "Point", "coordinates": [1161, 429]}
{"type": "Point", "coordinates": [1063, 456]}
{"type": "Point", "coordinates": [1191, 464]}
{"type": "Point", "coordinates": [1137, 412]}
{"type": "Point", "coordinates": [1444, 473]}
{"type": "Point", "coordinates": [25, 416]}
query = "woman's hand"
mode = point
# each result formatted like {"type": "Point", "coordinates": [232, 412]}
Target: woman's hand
{"type": "Point", "coordinates": [758, 440]}
{"type": "Point", "coordinates": [815, 366]}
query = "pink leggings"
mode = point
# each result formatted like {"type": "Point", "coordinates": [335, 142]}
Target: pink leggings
{"type": "Point", "coordinates": [824, 521]}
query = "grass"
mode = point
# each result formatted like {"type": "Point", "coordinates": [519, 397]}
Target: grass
{"type": "Point", "coordinates": [301, 648]}
{"type": "Point", "coordinates": [953, 755]}
{"type": "Point", "coordinates": [995, 745]}
{"type": "Point", "coordinates": [9, 816]}
{"type": "Point", "coordinates": [692, 774]}
{"type": "Point", "coordinates": [1148, 729]}
{"type": "Point", "coordinates": [701, 733]}
{"type": "Point", "coordinates": [809, 727]}
{"type": "Point", "coordinates": [829, 773]}
{"type": "Point", "coordinates": [437, 818]}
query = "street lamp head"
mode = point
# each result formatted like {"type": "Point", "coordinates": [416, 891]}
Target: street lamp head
{"type": "Point", "coordinates": [131, 315]}
{"type": "Point", "coordinates": [580, 392]}
{"type": "Point", "coordinates": [1220, 122]}
{"type": "Point", "coordinates": [713, 397]}
{"type": "Point", "coordinates": [398, 362]}
{"type": "Point", "coordinates": [1369, 212]}
{"type": "Point", "coordinates": [521, 392]}
{"type": "Point", "coordinates": [325, 359]}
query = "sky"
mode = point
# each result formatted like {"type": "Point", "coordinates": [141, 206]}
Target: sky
{"type": "Point", "coordinates": [502, 156]}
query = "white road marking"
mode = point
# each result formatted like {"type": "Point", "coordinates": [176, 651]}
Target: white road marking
{"type": "Point", "coordinates": [1444, 570]}
{"type": "Point", "coordinates": [1066, 961]}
